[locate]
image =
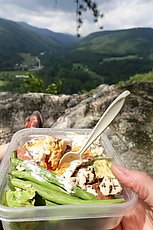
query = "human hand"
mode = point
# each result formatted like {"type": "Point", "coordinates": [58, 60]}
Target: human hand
{"type": "Point", "coordinates": [141, 218]}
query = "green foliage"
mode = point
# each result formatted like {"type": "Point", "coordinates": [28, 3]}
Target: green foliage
{"type": "Point", "coordinates": [52, 88]}
{"type": "Point", "coordinates": [119, 42]}
{"type": "Point", "coordinates": [32, 84]}
{"type": "Point", "coordinates": [70, 79]}
{"type": "Point", "coordinates": [25, 83]}
{"type": "Point", "coordinates": [16, 38]}
{"type": "Point", "coordinates": [9, 82]}
{"type": "Point", "coordinates": [146, 77]}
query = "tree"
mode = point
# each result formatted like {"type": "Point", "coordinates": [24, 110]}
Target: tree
{"type": "Point", "coordinates": [33, 84]}
{"type": "Point", "coordinates": [82, 6]}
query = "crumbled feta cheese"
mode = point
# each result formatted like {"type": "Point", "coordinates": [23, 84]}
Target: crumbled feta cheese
{"type": "Point", "coordinates": [84, 176]}
{"type": "Point", "coordinates": [110, 186]}
{"type": "Point", "coordinates": [68, 183]}
{"type": "Point", "coordinates": [20, 168]}
{"type": "Point", "coordinates": [97, 151]}
{"type": "Point", "coordinates": [66, 178]}
{"type": "Point", "coordinates": [81, 178]}
{"type": "Point", "coordinates": [91, 190]}
{"type": "Point", "coordinates": [71, 169]}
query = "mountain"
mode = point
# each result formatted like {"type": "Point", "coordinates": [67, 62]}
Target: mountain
{"type": "Point", "coordinates": [116, 55]}
{"type": "Point", "coordinates": [113, 55]}
{"type": "Point", "coordinates": [16, 38]}
{"type": "Point", "coordinates": [119, 42]}
{"type": "Point", "coordinates": [63, 39]}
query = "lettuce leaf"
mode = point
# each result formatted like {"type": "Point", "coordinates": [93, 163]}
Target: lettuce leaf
{"type": "Point", "coordinates": [16, 199]}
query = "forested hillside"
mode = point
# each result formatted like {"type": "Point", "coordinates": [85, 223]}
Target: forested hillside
{"type": "Point", "coordinates": [137, 41]}
{"type": "Point", "coordinates": [116, 55]}
{"type": "Point", "coordinates": [60, 63]}
{"type": "Point", "coordinates": [17, 38]}
{"type": "Point", "coordinates": [113, 55]}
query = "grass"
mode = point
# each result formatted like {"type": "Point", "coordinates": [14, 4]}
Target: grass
{"type": "Point", "coordinates": [120, 58]}
{"type": "Point", "coordinates": [7, 74]}
{"type": "Point", "coordinates": [28, 59]}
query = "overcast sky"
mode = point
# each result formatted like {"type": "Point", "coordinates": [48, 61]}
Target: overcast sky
{"type": "Point", "coordinates": [59, 15]}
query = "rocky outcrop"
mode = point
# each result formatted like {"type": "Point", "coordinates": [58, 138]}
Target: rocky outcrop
{"type": "Point", "coordinates": [131, 132]}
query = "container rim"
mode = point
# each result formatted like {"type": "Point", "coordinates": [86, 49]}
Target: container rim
{"type": "Point", "coordinates": [78, 210]}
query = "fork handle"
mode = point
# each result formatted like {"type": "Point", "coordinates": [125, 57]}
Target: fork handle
{"type": "Point", "coordinates": [105, 120]}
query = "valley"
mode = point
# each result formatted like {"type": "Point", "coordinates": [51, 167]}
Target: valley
{"type": "Point", "coordinates": [67, 64]}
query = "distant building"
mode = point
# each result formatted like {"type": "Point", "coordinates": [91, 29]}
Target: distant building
{"type": "Point", "coordinates": [22, 76]}
{"type": "Point", "coordinates": [42, 53]}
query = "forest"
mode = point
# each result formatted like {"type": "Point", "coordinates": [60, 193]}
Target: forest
{"type": "Point", "coordinates": [67, 65]}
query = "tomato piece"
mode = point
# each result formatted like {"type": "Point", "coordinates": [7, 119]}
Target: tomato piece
{"type": "Point", "coordinates": [100, 195]}
{"type": "Point", "coordinates": [23, 154]}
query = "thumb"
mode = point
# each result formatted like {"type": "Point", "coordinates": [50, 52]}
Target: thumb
{"type": "Point", "coordinates": [139, 182]}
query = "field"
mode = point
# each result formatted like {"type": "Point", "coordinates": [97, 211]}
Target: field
{"type": "Point", "coordinates": [8, 79]}
{"type": "Point", "coordinates": [28, 62]}
{"type": "Point", "coordinates": [128, 57]}
{"type": "Point", "coordinates": [28, 59]}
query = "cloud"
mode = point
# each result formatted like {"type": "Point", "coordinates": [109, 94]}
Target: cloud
{"type": "Point", "coordinates": [59, 15]}
{"type": "Point", "coordinates": [127, 14]}
{"type": "Point", "coordinates": [41, 5]}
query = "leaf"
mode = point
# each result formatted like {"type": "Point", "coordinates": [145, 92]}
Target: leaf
{"type": "Point", "coordinates": [16, 199]}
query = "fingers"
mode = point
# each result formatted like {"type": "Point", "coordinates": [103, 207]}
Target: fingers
{"type": "Point", "coordinates": [139, 182]}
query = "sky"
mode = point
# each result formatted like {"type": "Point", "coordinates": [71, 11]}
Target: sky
{"type": "Point", "coordinates": [60, 16]}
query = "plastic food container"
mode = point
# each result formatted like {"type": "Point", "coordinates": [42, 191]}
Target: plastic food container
{"type": "Point", "coordinates": [61, 217]}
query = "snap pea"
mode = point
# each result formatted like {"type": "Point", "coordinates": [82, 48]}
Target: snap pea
{"type": "Point", "coordinates": [53, 178]}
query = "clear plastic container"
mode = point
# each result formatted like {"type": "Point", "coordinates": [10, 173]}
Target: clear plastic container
{"type": "Point", "coordinates": [61, 217]}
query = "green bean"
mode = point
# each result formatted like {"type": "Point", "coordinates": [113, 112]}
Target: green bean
{"type": "Point", "coordinates": [83, 194]}
{"type": "Point", "coordinates": [31, 176]}
{"type": "Point", "coordinates": [59, 197]}
{"type": "Point", "coordinates": [14, 154]}
{"type": "Point", "coordinates": [51, 195]}
{"type": "Point", "coordinates": [53, 178]}
{"type": "Point", "coordinates": [28, 166]}
{"type": "Point", "coordinates": [112, 201]}
{"type": "Point", "coordinates": [49, 203]}
{"type": "Point", "coordinates": [40, 201]}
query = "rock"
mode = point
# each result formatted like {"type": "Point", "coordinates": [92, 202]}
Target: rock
{"type": "Point", "coordinates": [131, 132]}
